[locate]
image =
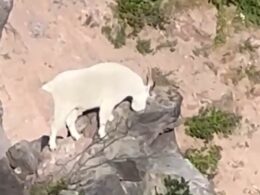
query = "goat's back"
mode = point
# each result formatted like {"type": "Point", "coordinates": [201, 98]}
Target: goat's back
{"type": "Point", "coordinates": [96, 82]}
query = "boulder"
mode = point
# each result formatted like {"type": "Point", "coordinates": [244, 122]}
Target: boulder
{"type": "Point", "coordinates": [9, 183]}
{"type": "Point", "coordinates": [25, 156]}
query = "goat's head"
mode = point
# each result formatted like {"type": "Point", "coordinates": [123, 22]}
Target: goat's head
{"type": "Point", "coordinates": [140, 99]}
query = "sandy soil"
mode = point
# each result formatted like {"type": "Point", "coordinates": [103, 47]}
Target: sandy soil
{"type": "Point", "coordinates": [50, 38]}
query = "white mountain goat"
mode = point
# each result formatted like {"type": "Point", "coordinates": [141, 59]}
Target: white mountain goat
{"type": "Point", "coordinates": [102, 86]}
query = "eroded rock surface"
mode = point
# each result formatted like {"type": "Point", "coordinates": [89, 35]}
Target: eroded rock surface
{"type": "Point", "coordinates": [139, 152]}
{"type": "Point", "coordinates": [9, 183]}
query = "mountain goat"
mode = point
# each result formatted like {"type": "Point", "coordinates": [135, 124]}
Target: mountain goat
{"type": "Point", "coordinates": [102, 86]}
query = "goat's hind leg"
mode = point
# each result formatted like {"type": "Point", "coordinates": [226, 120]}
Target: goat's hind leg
{"type": "Point", "coordinates": [71, 123]}
{"type": "Point", "coordinates": [105, 114]}
{"type": "Point", "coordinates": [111, 118]}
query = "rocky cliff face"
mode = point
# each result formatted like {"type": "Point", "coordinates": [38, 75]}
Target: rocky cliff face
{"type": "Point", "coordinates": [4, 142]}
{"type": "Point", "coordinates": [5, 9]}
{"type": "Point", "coordinates": [139, 152]}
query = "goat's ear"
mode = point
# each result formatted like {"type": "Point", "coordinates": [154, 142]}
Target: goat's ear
{"type": "Point", "coordinates": [147, 79]}
{"type": "Point", "coordinates": [44, 82]}
{"type": "Point", "coordinates": [149, 75]}
{"type": "Point", "coordinates": [151, 86]}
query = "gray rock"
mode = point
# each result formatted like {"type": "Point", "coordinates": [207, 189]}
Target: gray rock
{"type": "Point", "coordinates": [5, 8]}
{"type": "Point", "coordinates": [4, 141]}
{"type": "Point", "coordinates": [127, 170]}
{"type": "Point", "coordinates": [26, 156]}
{"type": "Point", "coordinates": [140, 150]}
{"type": "Point", "coordinates": [9, 183]}
{"type": "Point", "coordinates": [37, 28]}
{"type": "Point", "coordinates": [143, 151]}
{"type": "Point", "coordinates": [108, 184]}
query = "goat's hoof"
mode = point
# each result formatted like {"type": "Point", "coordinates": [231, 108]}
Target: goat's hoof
{"type": "Point", "coordinates": [77, 137]}
{"type": "Point", "coordinates": [102, 135]}
{"type": "Point", "coordinates": [52, 147]}
{"type": "Point", "coordinates": [111, 118]}
{"type": "Point", "coordinates": [102, 132]}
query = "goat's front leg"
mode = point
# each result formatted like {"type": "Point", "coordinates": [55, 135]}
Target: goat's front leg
{"type": "Point", "coordinates": [105, 113]}
{"type": "Point", "coordinates": [54, 130]}
{"type": "Point", "coordinates": [57, 124]}
{"type": "Point", "coordinates": [52, 138]}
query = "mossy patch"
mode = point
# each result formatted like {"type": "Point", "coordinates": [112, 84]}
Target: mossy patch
{"type": "Point", "coordinates": [205, 159]}
{"type": "Point", "coordinates": [50, 188]}
{"type": "Point", "coordinates": [210, 121]}
{"type": "Point", "coordinates": [175, 187]}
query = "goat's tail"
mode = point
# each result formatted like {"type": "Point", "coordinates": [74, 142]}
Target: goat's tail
{"type": "Point", "coordinates": [149, 80]}
{"type": "Point", "coordinates": [47, 86]}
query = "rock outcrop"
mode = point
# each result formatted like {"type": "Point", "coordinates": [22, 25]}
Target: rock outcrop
{"type": "Point", "coordinates": [4, 142]}
{"type": "Point", "coordinates": [5, 8]}
{"type": "Point", "coordinates": [9, 182]}
{"type": "Point", "coordinates": [139, 152]}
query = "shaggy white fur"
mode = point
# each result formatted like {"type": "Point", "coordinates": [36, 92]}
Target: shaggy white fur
{"type": "Point", "coordinates": [102, 86]}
